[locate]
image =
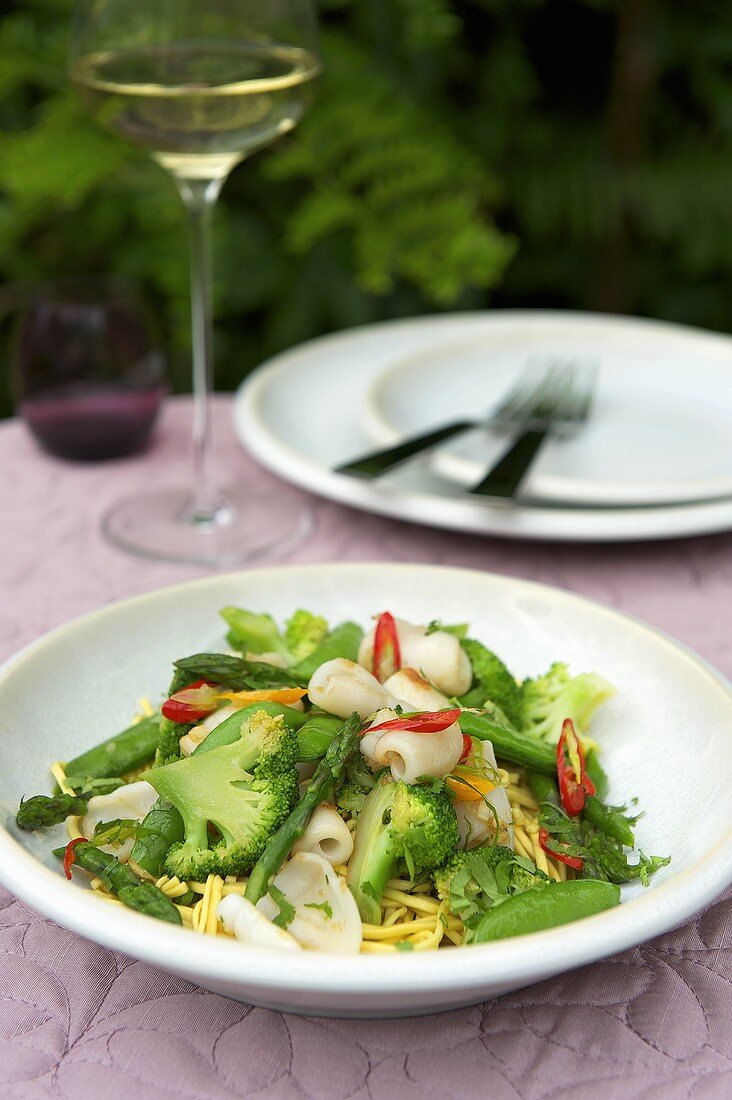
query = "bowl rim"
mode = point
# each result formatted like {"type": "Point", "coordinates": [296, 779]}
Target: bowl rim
{"type": "Point", "coordinates": [504, 961]}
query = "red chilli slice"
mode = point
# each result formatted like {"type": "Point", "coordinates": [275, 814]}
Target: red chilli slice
{"type": "Point", "coordinates": [193, 703]}
{"type": "Point", "coordinates": [70, 854]}
{"type": "Point", "coordinates": [434, 721]}
{"type": "Point", "coordinates": [387, 655]}
{"type": "Point", "coordinates": [575, 862]}
{"type": "Point", "coordinates": [572, 787]}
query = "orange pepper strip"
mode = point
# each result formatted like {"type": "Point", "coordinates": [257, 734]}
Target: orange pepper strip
{"type": "Point", "coordinates": [286, 696]}
{"type": "Point", "coordinates": [469, 789]}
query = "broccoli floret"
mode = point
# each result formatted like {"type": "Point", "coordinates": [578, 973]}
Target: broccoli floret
{"type": "Point", "coordinates": [414, 826]}
{"type": "Point", "coordinates": [170, 733]}
{"type": "Point", "coordinates": [491, 681]}
{"type": "Point", "coordinates": [252, 633]}
{"type": "Point", "coordinates": [358, 783]}
{"type": "Point", "coordinates": [303, 634]}
{"type": "Point", "coordinates": [473, 882]}
{"type": "Point", "coordinates": [548, 700]}
{"type": "Point", "coordinates": [245, 790]}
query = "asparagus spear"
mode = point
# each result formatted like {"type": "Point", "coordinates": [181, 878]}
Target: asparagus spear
{"type": "Point", "coordinates": [122, 753]}
{"type": "Point", "coordinates": [42, 811]}
{"type": "Point", "coordinates": [120, 880]}
{"type": "Point", "coordinates": [95, 772]}
{"type": "Point", "coordinates": [518, 748]}
{"type": "Point", "coordinates": [322, 788]}
{"type": "Point", "coordinates": [241, 675]}
{"type": "Point", "coordinates": [236, 672]}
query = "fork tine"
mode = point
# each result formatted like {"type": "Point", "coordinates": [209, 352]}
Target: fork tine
{"type": "Point", "coordinates": [580, 400]}
{"type": "Point", "coordinates": [523, 386]}
{"type": "Point", "coordinates": [551, 395]}
{"type": "Point", "coordinates": [557, 395]}
{"type": "Point", "coordinates": [532, 388]}
{"type": "Point", "coordinates": [564, 395]}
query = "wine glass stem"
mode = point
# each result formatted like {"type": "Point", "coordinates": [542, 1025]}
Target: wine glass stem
{"type": "Point", "coordinates": [207, 506]}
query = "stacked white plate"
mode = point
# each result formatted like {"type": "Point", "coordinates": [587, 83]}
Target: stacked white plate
{"type": "Point", "coordinates": [654, 460]}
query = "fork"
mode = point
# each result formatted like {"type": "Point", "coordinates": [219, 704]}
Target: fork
{"type": "Point", "coordinates": [556, 403]}
{"type": "Point", "coordinates": [532, 387]}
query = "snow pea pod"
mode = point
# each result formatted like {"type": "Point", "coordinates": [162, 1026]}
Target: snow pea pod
{"type": "Point", "coordinates": [315, 735]}
{"type": "Point", "coordinates": [535, 911]}
{"type": "Point", "coordinates": [122, 753]}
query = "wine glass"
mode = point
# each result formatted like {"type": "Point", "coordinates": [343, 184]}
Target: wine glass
{"type": "Point", "coordinates": [200, 84]}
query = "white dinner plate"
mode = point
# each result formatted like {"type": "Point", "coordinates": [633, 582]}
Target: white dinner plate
{"type": "Point", "coordinates": [659, 432]}
{"type": "Point", "coordinates": [665, 737]}
{"type": "Point", "coordinates": [302, 413]}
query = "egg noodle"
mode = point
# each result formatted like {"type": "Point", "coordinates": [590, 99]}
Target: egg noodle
{"type": "Point", "coordinates": [412, 917]}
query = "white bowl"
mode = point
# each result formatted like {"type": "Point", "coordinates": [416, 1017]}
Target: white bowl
{"type": "Point", "coordinates": [666, 737]}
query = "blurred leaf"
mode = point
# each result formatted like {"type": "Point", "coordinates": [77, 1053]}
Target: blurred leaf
{"type": "Point", "coordinates": [414, 201]}
{"type": "Point", "coordinates": [456, 155]}
{"type": "Point", "coordinates": [60, 158]}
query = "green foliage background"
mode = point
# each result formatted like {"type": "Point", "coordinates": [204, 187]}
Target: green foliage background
{"type": "Point", "coordinates": [460, 154]}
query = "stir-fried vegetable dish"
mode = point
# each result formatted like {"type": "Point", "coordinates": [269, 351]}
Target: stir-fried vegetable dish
{"type": "Point", "coordinates": [322, 789]}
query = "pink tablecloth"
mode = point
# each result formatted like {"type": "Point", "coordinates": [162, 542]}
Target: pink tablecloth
{"type": "Point", "coordinates": [77, 1021]}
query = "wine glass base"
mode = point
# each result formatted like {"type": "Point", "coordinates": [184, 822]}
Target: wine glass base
{"type": "Point", "coordinates": [247, 528]}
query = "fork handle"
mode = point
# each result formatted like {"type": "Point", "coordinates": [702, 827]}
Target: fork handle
{"type": "Point", "coordinates": [504, 479]}
{"type": "Point", "coordinates": [374, 463]}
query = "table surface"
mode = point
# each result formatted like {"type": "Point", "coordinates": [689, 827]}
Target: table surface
{"type": "Point", "coordinates": [78, 1021]}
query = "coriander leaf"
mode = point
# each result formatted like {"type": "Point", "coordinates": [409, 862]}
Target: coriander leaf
{"type": "Point", "coordinates": [474, 882]}
{"type": "Point", "coordinates": [286, 910]}
{"type": "Point", "coordinates": [87, 788]}
{"type": "Point", "coordinates": [114, 832]}
{"type": "Point", "coordinates": [458, 629]}
{"type": "Point", "coordinates": [323, 905]}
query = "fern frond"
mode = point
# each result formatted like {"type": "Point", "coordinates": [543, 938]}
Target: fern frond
{"type": "Point", "coordinates": [412, 198]}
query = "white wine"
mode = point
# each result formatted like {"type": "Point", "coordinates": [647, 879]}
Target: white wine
{"type": "Point", "coordinates": [199, 107]}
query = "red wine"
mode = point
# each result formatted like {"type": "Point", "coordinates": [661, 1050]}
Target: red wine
{"type": "Point", "coordinates": [92, 421]}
